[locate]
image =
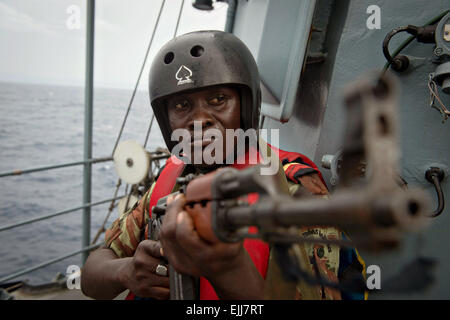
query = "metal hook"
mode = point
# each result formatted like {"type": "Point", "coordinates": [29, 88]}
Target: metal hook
{"type": "Point", "coordinates": [435, 175]}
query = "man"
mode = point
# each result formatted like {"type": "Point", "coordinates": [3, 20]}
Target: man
{"type": "Point", "coordinates": [201, 80]}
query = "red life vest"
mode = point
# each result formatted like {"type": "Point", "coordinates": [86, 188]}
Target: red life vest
{"type": "Point", "coordinates": [257, 249]}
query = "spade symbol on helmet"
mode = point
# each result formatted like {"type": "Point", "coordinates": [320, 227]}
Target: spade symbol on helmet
{"type": "Point", "coordinates": [184, 75]}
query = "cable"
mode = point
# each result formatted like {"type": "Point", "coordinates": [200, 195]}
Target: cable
{"type": "Point", "coordinates": [139, 77]}
{"type": "Point", "coordinates": [434, 96]}
{"type": "Point", "coordinates": [149, 130]}
{"type": "Point", "coordinates": [404, 44]}
{"type": "Point", "coordinates": [178, 20]}
{"type": "Point", "coordinates": [174, 35]}
{"type": "Point", "coordinates": [111, 207]}
{"type": "Point", "coordinates": [398, 63]}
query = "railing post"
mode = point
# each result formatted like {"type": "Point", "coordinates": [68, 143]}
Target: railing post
{"type": "Point", "coordinates": [88, 121]}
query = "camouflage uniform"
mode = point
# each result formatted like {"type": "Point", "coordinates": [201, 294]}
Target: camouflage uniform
{"type": "Point", "coordinates": [131, 227]}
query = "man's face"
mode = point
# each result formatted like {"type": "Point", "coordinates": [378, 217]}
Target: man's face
{"type": "Point", "coordinates": [211, 108]}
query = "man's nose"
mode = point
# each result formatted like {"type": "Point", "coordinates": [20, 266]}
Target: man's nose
{"type": "Point", "coordinates": [202, 117]}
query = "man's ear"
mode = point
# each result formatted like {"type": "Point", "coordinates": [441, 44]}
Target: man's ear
{"type": "Point", "coordinates": [302, 192]}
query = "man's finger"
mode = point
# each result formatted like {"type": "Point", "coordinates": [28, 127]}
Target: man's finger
{"type": "Point", "coordinates": [186, 234]}
{"type": "Point", "coordinates": [170, 198]}
{"type": "Point", "coordinates": [158, 281]}
{"type": "Point", "coordinates": [308, 184]}
{"type": "Point", "coordinates": [159, 293]}
{"type": "Point", "coordinates": [173, 208]}
{"type": "Point", "coordinates": [313, 183]}
{"type": "Point", "coordinates": [151, 247]}
{"type": "Point", "coordinates": [321, 186]}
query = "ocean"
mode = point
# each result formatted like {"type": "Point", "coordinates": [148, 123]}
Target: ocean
{"type": "Point", "coordinates": [43, 125]}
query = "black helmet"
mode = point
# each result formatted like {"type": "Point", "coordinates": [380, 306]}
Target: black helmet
{"type": "Point", "coordinates": [202, 59]}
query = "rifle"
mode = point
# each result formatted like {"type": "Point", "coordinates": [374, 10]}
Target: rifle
{"type": "Point", "coordinates": [182, 287]}
{"type": "Point", "coordinates": [372, 208]}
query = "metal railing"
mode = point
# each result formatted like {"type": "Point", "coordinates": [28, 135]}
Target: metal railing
{"type": "Point", "coordinates": [88, 126]}
{"type": "Point", "coordinates": [84, 249]}
{"type": "Point", "coordinates": [18, 172]}
{"type": "Point", "coordinates": [48, 262]}
{"type": "Point", "coordinates": [51, 215]}
{"type": "Point", "coordinates": [87, 162]}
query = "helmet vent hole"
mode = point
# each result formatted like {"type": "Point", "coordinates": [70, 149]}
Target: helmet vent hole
{"type": "Point", "coordinates": [197, 51]}
{"type": "Point", "coordinates": [168, 58]}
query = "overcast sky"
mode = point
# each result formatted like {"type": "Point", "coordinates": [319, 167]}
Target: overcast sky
{"type": "Point", "coordinates": [41, 43]}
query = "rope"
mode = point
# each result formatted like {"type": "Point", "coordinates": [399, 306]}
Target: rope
{"type": "Point", "coordinates": [174, 35]}
{"type": "Point", "coordinates": [178, 19]}
{"type": "Point", "coordinates": [149, 130]}
{"type": "Point", "coordinates": [111, 207]}
{"type": "Point", "coordinates": [139, 77]}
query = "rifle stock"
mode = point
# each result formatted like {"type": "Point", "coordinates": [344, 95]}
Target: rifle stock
{"type": "Point", "coordinates": [182, 287]}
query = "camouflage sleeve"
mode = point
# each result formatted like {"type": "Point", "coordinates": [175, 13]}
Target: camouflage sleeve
{"type": "Point", "coordinates": [330, 261]}
{"type": "Point", "coordinates": [312, 257]}
{"type": "Point", "coordinates": [125, 233]}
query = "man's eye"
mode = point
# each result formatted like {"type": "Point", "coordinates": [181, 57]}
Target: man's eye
{"type": "Point", "coordinates": [217, 99]}
{"type": "Point", "coordinates": [181, 106]}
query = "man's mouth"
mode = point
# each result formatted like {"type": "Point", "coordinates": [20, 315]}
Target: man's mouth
{"type": "Point", "coordinates": [202, 142]}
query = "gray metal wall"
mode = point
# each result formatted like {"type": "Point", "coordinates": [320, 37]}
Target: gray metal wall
{"type": "Point", "coordinates": [318, 121]}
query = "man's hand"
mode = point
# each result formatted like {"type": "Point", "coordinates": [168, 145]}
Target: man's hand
{"type": "Point", "coordinates": [187, 251]}
{"type": "Point", "coordinates": [138, 274]}
{"type": "Point", "coordinates": [227, 266]}
{"type": "Point", "coordinates": [313, 183]}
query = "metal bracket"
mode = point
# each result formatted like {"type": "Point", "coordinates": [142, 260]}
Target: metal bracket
{"type": "Point", "coordinates": [435, 176]}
